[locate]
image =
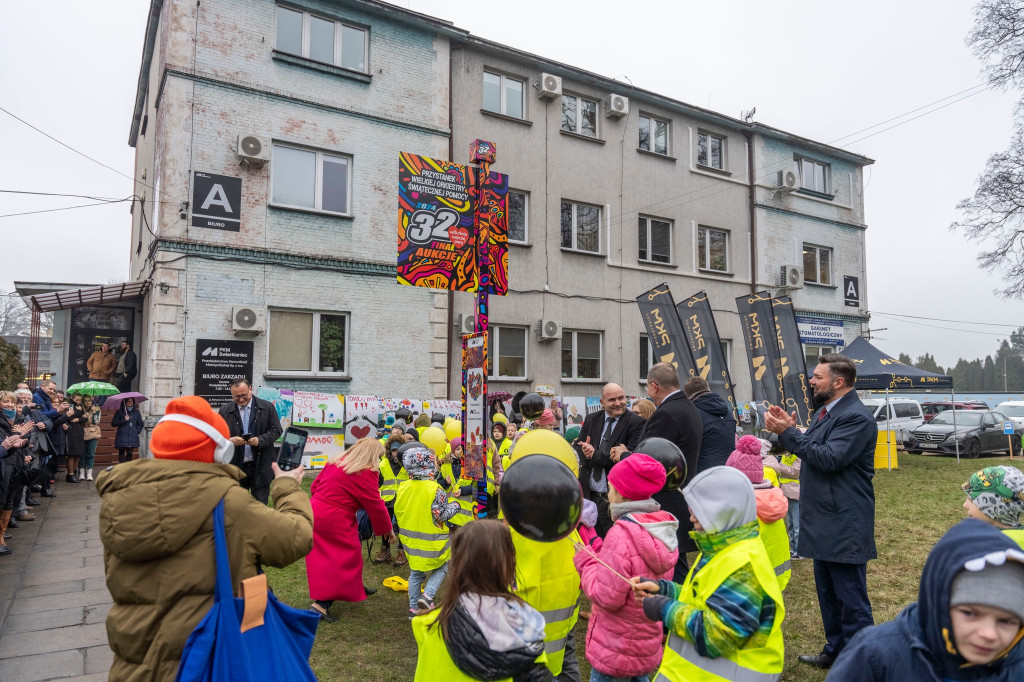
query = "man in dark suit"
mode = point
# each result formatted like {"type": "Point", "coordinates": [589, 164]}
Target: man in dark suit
{"type": "Point", "coordinates": [677, 420]}
{"type": "Point", "coordinates": [247, 414]}
{"type": "Point", "coordinates": [837, 501]}
{"type": "Point", "coordinates": [127, 367]}
{"type": "Point", "coordinates": [601, 431]}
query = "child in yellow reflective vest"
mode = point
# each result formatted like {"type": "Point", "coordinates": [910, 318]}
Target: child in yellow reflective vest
{"type": "Point", "coordinates": [995, 495]}
{"type": "Point", "coordinates": [481, 630]}
{"type": "Point", "coordinates": [725, 620]}
{"type": "Point", "coordinates": [392, 474]}
{"type": "Point", "coordinates": [459, 488]}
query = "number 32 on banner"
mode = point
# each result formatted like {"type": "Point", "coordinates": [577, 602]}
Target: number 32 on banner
{"type": "Point", "coordinates": [428, 226]}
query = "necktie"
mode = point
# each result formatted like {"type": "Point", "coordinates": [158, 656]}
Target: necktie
{"type": "Point", "coordinates": [822, 414]}
{"type": "Point", "coordinates": [609, 427]}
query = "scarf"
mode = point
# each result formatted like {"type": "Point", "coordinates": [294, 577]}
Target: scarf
{"type": "Point", "coordinates": [647, 506]}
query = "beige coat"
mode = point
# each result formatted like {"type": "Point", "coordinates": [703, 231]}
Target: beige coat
{"type": "Point", "coordinates": [101, 366]}
{"type": "Point", "coordinates": [156, 525]}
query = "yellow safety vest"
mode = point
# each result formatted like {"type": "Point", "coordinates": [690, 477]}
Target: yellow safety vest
{"type": "Point", "coordinates": [771, 476]}
{"type": "Point", "coordinates": [434, 662]}
{"type": "Point", "coordinates": [547, 580]}
{"type": "Point", "coordinates": [466, 506]}
{"type": "Point", "coordinates": [426, 545]}
{"type": "Point", "coordinates": [1016, 535]}
{"type": "Point", "coordinates": [391, 482]}
{"type": "Point", "coordinates": [789, 460]}
{"type": "Point", "coordinates": [776, 543]}
{"type": "Point", "coordinates": [681, 661]}
{"type": "Point", "coordinates": [505, 451]}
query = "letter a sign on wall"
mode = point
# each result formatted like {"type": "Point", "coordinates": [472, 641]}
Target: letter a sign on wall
{"type": "Point", "coordinates": [217, 202]}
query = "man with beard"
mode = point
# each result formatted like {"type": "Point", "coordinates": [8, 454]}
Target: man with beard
{"type": "Point", "coordinates": [837, 502]}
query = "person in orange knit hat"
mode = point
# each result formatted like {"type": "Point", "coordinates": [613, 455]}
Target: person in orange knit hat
{"type": "Point", "coordinates": [156, 526]}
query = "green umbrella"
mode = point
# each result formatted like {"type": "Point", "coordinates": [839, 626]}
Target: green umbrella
{"type": "Point", "coordinates": [93, 388]}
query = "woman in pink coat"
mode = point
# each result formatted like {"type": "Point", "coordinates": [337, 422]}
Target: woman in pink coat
{"type": "Point", "coordinates": [621, 641]}
{"type": "Point", "coordinates": [347, 483]}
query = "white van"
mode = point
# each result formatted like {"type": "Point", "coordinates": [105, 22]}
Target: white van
{"type": "Point", "coordinates": [903, 416]}
{"type": "Point", "coordinates": [1014, 411]}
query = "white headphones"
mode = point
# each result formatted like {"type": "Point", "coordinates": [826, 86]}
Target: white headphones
{"type": "Point", "coordinates": [225, 448]}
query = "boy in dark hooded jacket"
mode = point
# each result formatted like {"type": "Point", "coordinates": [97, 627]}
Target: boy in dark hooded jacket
{"type": "Point", "coordinates": [966, 624]}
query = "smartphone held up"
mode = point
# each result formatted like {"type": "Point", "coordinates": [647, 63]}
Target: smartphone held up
{"type": "Point", "coordinates": [293, 445]}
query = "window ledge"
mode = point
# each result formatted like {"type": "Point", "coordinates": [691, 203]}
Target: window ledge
{"type": "Point", "coordinates": [510, 380]}
{"type": "Point", "coordinates": [718, 273]}
{"type": "Point", "coordinates": [816, 194]}
{"type": "Point", "coordinates": [656, 264]}
{"type": "Point", "coordinates": [506, 117]}
{"type": "Point", "coordinates": [313, 211]}
{"type": "Point", "coordinates": [567, 380]}
{"type": "Point", "coordinates": [656, 155]}
{"type": "Point", "coordinates": [712, 169]}
{"type": "Point", "coordinates": [593, 254]}
{"type": "Point", "coordinates": [525, 245]}
{"type": "Point", "coordinates": [322, 376]}
{"type": "Point", "coordinates": [577, 136]}
{"type": "Point", "coordinates": [820, 286]}
{"type": "Point", "coordinates": [322, 67]}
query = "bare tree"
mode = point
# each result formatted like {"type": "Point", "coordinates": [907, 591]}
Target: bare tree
{"type": "Point", "coordinates": [994, 215]}
{"type": "Point", "coordinates": [14, 315]}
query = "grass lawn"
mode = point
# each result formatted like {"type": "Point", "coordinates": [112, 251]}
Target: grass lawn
{"type": "Point", "coordinates": [916, 504]}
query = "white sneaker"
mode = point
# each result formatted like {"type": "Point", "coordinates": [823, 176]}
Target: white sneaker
{"type": "Point", "coordinates": [88, 475]}
{"type": "Point", "coordinates": [81, 474]}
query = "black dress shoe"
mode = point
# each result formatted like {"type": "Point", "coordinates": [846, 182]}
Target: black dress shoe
{"type": "Point", "coordinates": [324, 616]}
{"type": "Point", "coordinates": [369, 590]}
{"type": "Point", "coordinates": [12, 523]}
{"type": "Point", "coordinates": [33, 502]}
{"type": "Point", "coordinates": [823, 661]}
{"type": "Point", "coordinates": [48, 493]}
{"type": "Point", "coordinates": [5, 549]}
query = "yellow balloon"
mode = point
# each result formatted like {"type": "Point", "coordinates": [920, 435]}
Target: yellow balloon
{"type": "Point", "coordinates": [544, 442]}
{"type": "Point", "coordinates": [452, 428]}
{"type": "Point", "coordinates": [433, 437]}
{"type": "Point", "coordinates": [499, 418]}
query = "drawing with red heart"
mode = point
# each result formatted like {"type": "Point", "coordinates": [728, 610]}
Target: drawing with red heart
{"type": "Point", "coordinates": [458, 236]}
{"type": "Point", "coordinates": [360, 431]}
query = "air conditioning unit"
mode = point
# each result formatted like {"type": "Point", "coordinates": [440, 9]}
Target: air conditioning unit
{"type": "Point", "coordinates": [789, 180]}
{"type": "Point", "coordinates": [616, 106]}
{"type": "Point", "coordinates": [550, 86]}
{"type": "Point", "coordinates": [467, 324]}
{"type": "Point", "coordinates": [791, 277]}
{"type": "Point", "coordinates": [245, 319]}
{"type": "Point", "coordinates": [253, 149]}
{"type": "Point", "coordinates": [549, 330]}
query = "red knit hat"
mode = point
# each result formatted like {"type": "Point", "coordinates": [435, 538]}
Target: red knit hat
{"type": "Point", "coordinates": [638, 476]}
{"type": "Point", "coordinates": [747, 458]}
{"type": "Point", "coordinates": [174, 439]}
{"type": "Point", "coordinates": [545, 419]}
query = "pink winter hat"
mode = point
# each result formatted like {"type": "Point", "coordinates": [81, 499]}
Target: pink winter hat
{"type": "Point", "coordinates": [637, 477]}
{"type": "Point", "coordinates": [545, 419]}
{"type": "Point", "coordinates": [747, 458]}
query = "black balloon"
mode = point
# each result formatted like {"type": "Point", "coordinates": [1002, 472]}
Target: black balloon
{"type": "Point", "coordinates": [541, 498]}
{"type": "Point", "coordinates": [532, 406]}
{"type": "Point", "coordinates": [404, 414]}
{"type": "Point", "coordinates": [517, 418]}
{"type": "Point", "coordinates": [515, 400]}
{"type": "Point", "coordinates": [669, 456]}
{"type": "Point", "coordinates": [437, 418]}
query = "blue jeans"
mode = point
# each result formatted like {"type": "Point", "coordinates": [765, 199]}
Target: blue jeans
{"type": "Point", "coordinates": [90, 454]}
{"type": "Point", "coordinates": [793, 523]}
{"type": "Point", "coordinates": [596, 676]}
{"type": "Point", "coordinates": [433, 582]}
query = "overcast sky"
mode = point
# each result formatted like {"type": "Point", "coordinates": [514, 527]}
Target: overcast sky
{"type": "Point", "coordinates": [819, 70]}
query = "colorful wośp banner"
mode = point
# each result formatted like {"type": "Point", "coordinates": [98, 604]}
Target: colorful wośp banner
{"type": "Point", "coordinates": [795, 387]}
{"type": "Point", "coordinates": [665, 330]}
{"type": "Point", "coordinates": [474, 406]}
{"type": "Point", "coordinates": [763, 358]}
{"type": "Point", "coordinates": [437, 233]}
{"type": "Point", "coordinates": [706, 345]}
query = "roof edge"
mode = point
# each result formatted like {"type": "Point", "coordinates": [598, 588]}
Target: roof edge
{"type": "Point", "coordinates": [142, 89]}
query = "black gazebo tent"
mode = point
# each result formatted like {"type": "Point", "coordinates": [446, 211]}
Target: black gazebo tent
{"type": "Point", "coordinates": [878, 371]}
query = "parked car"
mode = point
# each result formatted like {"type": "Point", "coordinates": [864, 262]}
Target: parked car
{"type": "Point", "coordinates": [1014, 411]}
{"type": "Point", "coordinates": [975, 431]}
{"type": "Point", "coordinates": [903, 416]}
{"type": "Point", "coordinates": [934, 407]}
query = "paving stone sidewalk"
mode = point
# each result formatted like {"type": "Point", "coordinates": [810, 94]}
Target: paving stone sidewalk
{"type": "Point", "coordinates": [53, 596]}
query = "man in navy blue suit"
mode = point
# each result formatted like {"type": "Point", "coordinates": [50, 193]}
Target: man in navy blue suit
{"type": "Point", "coordinates": [837, 500]}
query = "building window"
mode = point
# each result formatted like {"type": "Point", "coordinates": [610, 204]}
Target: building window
{"type": "Point", "coordinates": [579, 115]}
{"type": "Point", "coordinates": [726, 351]}
{"type": "Point", "coordinates": [817, 264]}
{"type": "Point", "coordinates": [653, 135]}
{"type": "Point", "coordinates": [811, 354]}
{"type": "Point", "coordinates": [712, 249]}
{"type": "Point", "coordinates": [655, 240]}
{"type": "Point", "coordinates": [517, 216]}
{"type": "Point", "coordinates": [324, 40]}
{"type": "Point", "coordinates": [581, 355]}
{"type": "Point", "coordinates": [503, 95]}
{"type": "Point", "coordinates": [814, 175]}
{"type": "Point", "coordinates": [581, 227]}
{"type": "Point", "coordinates": [508, 344]}
{"type": "Point", "coordinates": [308, 342]}
{"type": "Point", "coordinates": [305, 178]}
{"type": "Point", "coordinates": [646, 356]}
{"type": "Point", "coordinates": [711, 151]}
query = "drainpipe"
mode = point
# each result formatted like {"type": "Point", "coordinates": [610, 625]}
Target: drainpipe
{"type": "Point", "coordinates": [451, 294]}
{"type": "Point", "coordinates": [753, 212]}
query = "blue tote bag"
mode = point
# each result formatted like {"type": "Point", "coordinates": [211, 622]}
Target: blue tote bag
{"type": "Point", "coordinates": [218, 649]}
